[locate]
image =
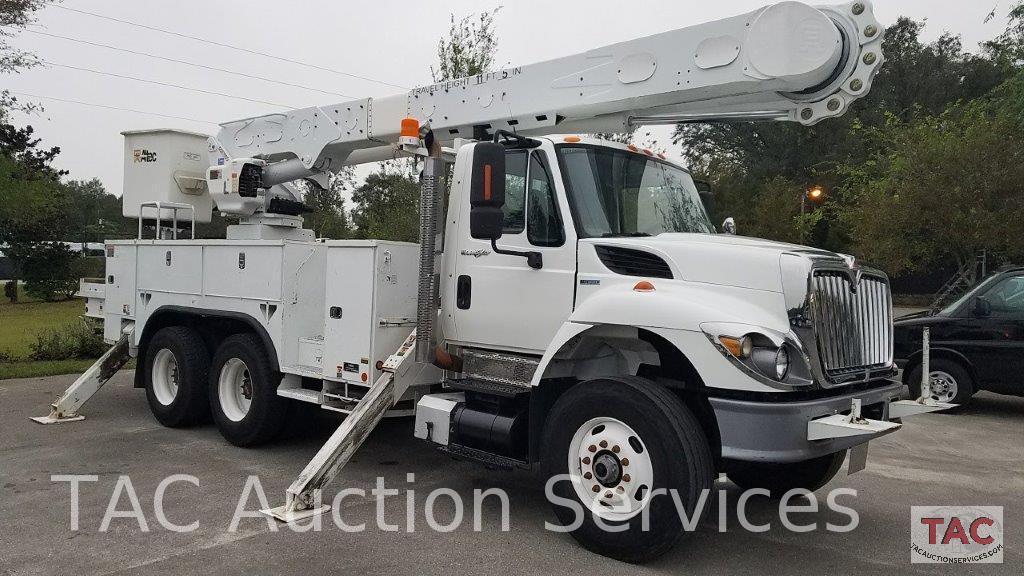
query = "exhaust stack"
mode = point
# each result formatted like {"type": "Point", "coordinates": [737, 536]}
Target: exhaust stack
{"type": "Point", "coordinates": [431, 187]}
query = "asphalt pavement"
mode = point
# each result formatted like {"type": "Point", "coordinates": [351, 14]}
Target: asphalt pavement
{"type": "Point", "coordinates": [972, 458]}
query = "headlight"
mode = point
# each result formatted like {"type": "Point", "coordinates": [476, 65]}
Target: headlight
{"type": "Point", "coordinates": [765, 354]}
{"type": "Point", "coordinates": [770, 361]}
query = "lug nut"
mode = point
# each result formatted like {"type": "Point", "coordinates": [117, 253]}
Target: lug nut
{"type": "Point", "coordinates": [608, 495]}
{"type": "Point", "coordinates": [604, 443]}
{"type": "Point", "coordinates": [588, 475]}
{"type": "Point", "coordinates": [856, 85]}
{"type": "Point", "coordinates": [834, 105]}
{"type": "Point", "coordinates": [620, 489]}
{"type": "Point", "coordinates": [625, 461]}
{"type": "Point", "coordinates": [870, 31]}
{"type": "Point", "coordinates": [870, 58]}
{"type": "Point", "coordinates": [625, 478]}
{"type": "Point", "coordinates": [592, 448]}
{"type": "Point", "coordinates": [615, 449]}
{"type": "Point", "coordinates": [858, 9]}
{"type": "Point", "coordinates": [586, 459]}
{"type": "Point", "coordinates": [596, 488]}
{"type": "Point", "coordinates": [807, 114]}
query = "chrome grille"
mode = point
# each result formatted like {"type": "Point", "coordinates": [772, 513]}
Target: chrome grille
{"type": "Point", "coordinates": [853, 326]}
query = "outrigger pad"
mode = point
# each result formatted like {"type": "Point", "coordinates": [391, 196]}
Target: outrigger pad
{"type": "Point", "coordinates": [51, 419]}
{"type": "Point", "coordinates": [904, 408]}
{"type": "Point", "coordinates": [283, 514]}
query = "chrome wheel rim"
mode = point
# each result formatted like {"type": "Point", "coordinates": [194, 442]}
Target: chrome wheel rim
{"type": "Point", "coordinates": [165, 377]}
{"type": "Point", "coordinates": [234, 389]}
{"type": "Point", "coordinates": [611, 469]}
{"type": "Point", "coordinates": [942, 386]}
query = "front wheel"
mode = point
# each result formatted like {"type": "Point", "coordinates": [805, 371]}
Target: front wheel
{"type": "Point", "coordinates": [617, 453]}
{"type": "Point", "coordinates": [781, 478]}
{"type": "Point", "coordinates": [243, 392]}
{"type": "Point", "coordinates": [949, 382]}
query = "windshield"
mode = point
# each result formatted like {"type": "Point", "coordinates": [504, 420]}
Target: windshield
{"type": "Point", "coordinates": [619, 193]}
{"type": "Point", "coordinates": [952, 308]}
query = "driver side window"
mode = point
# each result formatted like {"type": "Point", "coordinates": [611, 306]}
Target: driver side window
{"type": "Point", "coordinates": [515, 192]}
{"type": "Point", "coordinates": [530, 201]}
{"type": "Point", "coordinates": [544, 223]}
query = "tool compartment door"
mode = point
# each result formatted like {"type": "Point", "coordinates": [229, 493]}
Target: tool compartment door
{"type": "Point", "coordinates": [348, 312]}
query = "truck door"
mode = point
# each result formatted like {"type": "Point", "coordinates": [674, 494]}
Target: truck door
{"type": "Point", "coordinates": [994, 343]}
{"type": "Point", "coordinates": [501, 302]}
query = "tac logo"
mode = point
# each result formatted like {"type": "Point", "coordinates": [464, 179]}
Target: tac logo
{"type": "Point", "coordinates": [956, 534]}
{"type": "Point", "coordinates": [143, 155]}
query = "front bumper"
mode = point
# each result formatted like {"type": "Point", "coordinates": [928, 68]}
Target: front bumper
{"type": "Point", "coordinates": [777, 431]}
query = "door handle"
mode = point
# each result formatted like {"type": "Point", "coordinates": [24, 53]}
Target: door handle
{"type": "Point", "coordinates": [464, 292]}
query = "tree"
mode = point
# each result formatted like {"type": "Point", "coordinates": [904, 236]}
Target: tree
{"type": "Point", "coordinates": [468, 49]}
{"type": "Point", "coordinates": [51, 271]}
{"type": "Point", "coordinates": [387, 204]}
{"type": "Point", "coordinates": [20, 145]}
{"type": "Point", "coordinates": [97, 213]}
{"type": "Point", "coordinates": [943, 186]}
{"type": "Point", "coordinates": [15, 15]}
{"type": "Point", "coordinates": [36, 208]}
{"type": "Point", "coordinates": [1008, 48]}
{"type": "Point", "coordinates": [327, 217]}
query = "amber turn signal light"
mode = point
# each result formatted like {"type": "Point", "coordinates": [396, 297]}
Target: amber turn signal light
{"type": "Point", "coordinates": [644, 286]}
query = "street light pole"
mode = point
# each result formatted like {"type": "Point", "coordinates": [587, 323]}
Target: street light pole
{"type": "Point", "coordinates": [815, 194]}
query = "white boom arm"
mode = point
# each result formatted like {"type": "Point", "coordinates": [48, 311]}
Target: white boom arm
{"type": "Point", "coordinates": [788, 61]}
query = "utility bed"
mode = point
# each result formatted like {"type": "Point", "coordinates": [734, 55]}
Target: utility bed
{"type": "Point", "coordinates": [332, 309]}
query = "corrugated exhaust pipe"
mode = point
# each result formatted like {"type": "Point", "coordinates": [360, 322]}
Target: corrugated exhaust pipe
{"type": "Point", "coordinates": [431, 200]}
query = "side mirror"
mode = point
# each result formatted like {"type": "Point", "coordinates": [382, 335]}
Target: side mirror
{"type": "Point", "coordinates": [487, 191]}
{"type": "Point", "coordinates": [729, 226]}
{"type": "Point", "coordinates": [982, 308]}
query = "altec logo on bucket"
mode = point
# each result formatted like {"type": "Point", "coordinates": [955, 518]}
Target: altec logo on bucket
{"type": "Point", "coordinates": [956, 534]}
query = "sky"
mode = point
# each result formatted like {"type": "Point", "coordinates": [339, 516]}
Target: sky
{"type": "Point", "coordinates": [392, 42]}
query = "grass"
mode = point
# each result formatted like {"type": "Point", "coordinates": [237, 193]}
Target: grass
{"type": "Point", "coordinates": [34, 368]}
{"type": "Point", "coordinates": [19, 324]}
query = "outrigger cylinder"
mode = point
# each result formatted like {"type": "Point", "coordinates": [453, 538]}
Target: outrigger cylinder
{"type": "Point", "coordinates": [65, 408]}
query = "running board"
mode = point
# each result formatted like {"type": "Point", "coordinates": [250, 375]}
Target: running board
{"type": "Point", "coordinates": [303, 496]}
{"type": "Point", "coordinates": [65, 409]}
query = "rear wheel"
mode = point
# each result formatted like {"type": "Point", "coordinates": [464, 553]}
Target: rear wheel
{"type": "Point", "coordinates": [176, 369]}
{"type": "Point", "coordinates": [948, 381]}
{"type": "Point", "coordinates": [622, 446]}
{"type": "Point", "coordinates": [243, 392]}
{"type": "Point", "coordinates": [781, 478]}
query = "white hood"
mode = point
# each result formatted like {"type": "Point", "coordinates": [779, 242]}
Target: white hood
{"type": "Point", "coordinates": [719, 258]}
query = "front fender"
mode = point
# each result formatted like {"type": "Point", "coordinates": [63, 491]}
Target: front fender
{"type": "Point", "coordinates": [675, 311]}
{"type": "Point", "coordinates": [939, 351]}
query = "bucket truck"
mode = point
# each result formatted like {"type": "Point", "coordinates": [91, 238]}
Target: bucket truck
{"type": "Point", "coordinates": [569, 305]}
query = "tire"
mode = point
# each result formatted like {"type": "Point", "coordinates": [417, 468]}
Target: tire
{"type": "Point", "coordinates": [945, 374]}
{"type": "Point", "coordinates": [781, 478]}
{"type": "Point", "coordinates": [675, 455]}
{"type": "Point", "coordinates": [176, 375]}
{"type": "Point", "coordinates": [243, 392]}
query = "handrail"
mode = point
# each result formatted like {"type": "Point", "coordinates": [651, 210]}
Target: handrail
{"type": "Point", "coordinates": [174, 207]}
